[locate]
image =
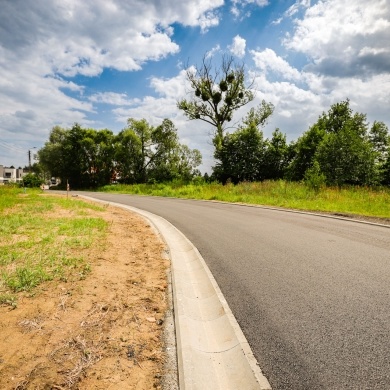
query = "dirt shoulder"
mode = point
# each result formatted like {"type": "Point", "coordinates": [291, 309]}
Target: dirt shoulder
{"type": "Point", "coordinates": [103, 332]}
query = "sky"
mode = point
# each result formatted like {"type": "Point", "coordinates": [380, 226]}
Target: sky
{"type": "Point", "coordinates": [100, 62]}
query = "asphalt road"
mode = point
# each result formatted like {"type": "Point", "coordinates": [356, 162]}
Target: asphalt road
{"type": "Point", "coordinates": [311, 294]}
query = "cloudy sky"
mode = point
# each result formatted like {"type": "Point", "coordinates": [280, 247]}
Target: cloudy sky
{"type": "Point", "coordinates": [99, 62]}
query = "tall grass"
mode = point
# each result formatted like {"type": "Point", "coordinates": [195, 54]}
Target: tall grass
{"type": "Point", "coordinates": [43, 238]}
{"type": "Point", "coordinates": [293, 195]}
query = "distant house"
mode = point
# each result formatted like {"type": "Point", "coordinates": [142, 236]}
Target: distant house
{"type": "Point", "coordinates": [10, 175]}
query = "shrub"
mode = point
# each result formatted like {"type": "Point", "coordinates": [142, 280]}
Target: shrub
{"type": "Point", "coordinates": [314, 178]}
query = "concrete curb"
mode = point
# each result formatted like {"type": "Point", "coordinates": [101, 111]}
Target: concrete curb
{"type": "Point", "coordinates": [213, 353]}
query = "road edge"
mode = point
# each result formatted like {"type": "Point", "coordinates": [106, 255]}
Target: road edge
{"type": "Point", "coordinates": [212, 350]}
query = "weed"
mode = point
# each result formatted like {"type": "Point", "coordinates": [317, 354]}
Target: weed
{"type": "Point", "coordinates": [8, 300]}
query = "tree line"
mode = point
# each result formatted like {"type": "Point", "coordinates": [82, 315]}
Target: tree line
{"type": "Point", "coordinates": [340, 148]}
{"type": "Point", "coordinates": [140, 153]}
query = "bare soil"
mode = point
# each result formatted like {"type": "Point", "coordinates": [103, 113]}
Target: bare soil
{"type": "Point", "coordinates": [103, 332]}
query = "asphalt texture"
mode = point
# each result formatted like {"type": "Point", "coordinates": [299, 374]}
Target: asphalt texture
{"type": "Point", "coordinates": [311, 294]}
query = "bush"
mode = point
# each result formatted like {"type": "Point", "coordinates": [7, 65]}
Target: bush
{"type": "Point", "coordinates": [30, 180]}
{"type": "Point", "coordinates": [314, 178]}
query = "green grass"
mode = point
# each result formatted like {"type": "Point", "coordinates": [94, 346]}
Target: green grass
{"type": "Point", "coordinates": [292, 195]}
{"type": "Point", "coordinates": [43, 238]}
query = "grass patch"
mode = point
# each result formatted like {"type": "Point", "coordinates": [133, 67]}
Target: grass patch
{"type": "Point", "coordinates": [362, 201]}
{"type": "Point", "coordinates": [43, 238]}
{"type": "Point", "coordinates": [8, 300]}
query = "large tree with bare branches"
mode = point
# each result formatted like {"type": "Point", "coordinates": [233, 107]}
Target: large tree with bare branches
{"type": "Point", "coordinates": [216, 93]}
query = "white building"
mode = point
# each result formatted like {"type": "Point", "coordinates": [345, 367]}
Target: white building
{"type": "Point", "coordinates": [10, 175]}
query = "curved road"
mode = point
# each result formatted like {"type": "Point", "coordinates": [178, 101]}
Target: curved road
{"type": "Point", "coordinates": [311, 294]}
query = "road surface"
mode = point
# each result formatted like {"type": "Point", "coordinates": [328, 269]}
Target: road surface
{"type": "Point", "coordinates": [311, 294]}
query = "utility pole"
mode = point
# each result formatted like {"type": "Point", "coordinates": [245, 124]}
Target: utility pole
{"type": "Point", "coordinates": [29, 159]}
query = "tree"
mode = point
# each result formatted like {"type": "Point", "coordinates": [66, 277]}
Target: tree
{"type": "Point", "coordinates": [380, 140]}
{"type": "Point", "coordinates": [385, 177]}
{"type": "Point", "coordinates": [51, 156]}
{"type": "Point", "coordinates": [304, 152]}
{"type": "Point", "coordinates": [276, 156]}
{"type": "Point", "coordinates": [92, 158]}
{"type": "Point", "coordinates": [346, 157]}
{"type": "Point", "coordinates": [189, 160]}
{"type": "Point", "coordinates": [145, 153]}
{"type": "Point", "coordinates": [163, 163]}
{"type": "Point", "coordinates": [151, 150]}
{"type": "Point", "coordinates": [241, 155]}
{"type": "Point", "coordinates": [340, 144]}
{"type": "Point", "coordinates": [82, 157]}
{"type": "Point", "coordinates": [98, 150]}
{"type": "Point", "coordinates": [127, 156]}
{"type": "Point", "coordinates": [217, 94]}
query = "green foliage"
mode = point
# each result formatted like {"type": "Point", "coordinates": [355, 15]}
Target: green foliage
{"type": "Point", "coordinates": [379, 138]}
{"type": "Point", "coordinates": [217, 95]}
{"type": "Point", "coordinates": [8, 300]}
{"type": "Point", "coordinates": [242, 153]}
{"type": "Point", "coordinates": [147, 154]}
{"type": "Point", "coordinates": [340, 144]}
{"type": "Point", "coordinates": [31, 180]}
{"type": "Point", "coordinates": [346, 157]}
{"type": "Point", "coordinates": [314, 178]}
{"type": "Point", "coordinates": [305, 150]}
{"type": "Point", "coordinates": [241, 156]}
{"type": "Point", "coordinates": [344, 150]}
{"type": "Point", "coordinates": [83, 157]}
{"type": "Point", "coordinates": [87, 158]}
{"type": "Point", "coordinates": [276, 156]}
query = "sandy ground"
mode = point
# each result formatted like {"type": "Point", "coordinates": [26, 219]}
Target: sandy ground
{"type": "Point", "coordinates": [103, 332]}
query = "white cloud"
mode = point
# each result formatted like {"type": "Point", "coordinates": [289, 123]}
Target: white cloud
{"type": "Point", "coordinates": [348, 53]}
{"type": "Point", "coordinates": [213, 51]}
{"type": "Point", "coordinates": [298, 107]}
{"type": "Point", "coordinates": [294, 9]}
{"type": "Point", "coordinates": [237, 47]}
{"type": "Point", "coordinates": [238, 6]}
{"type": "Point", "coordinates": [113, 98]}
{"type": "Point", "coordinates": [268, 61]}
{"type": "Point", "coordinates": [43, 42]}
{"type": "Point", "coordinates": [344, 40]}
{"type": "Point", "coordinates": [208, 20]}
{"type": "Point", "coordinates": [277, 21]}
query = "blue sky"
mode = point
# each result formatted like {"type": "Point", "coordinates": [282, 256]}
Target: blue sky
{"type": "Point", "coordinates": [99, 62]}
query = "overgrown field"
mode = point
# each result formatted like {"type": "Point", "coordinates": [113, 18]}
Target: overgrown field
{"type": "Point", "coordinates": [42, 238]}
{"type": "Point", "coordinates": [362, 201]}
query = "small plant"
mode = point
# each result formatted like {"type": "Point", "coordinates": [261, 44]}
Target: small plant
{"type": "Point", "coordinates": [8, 300]}
{"type": "Point", "coordinates": [314, 178]}
{"type": "Point", "coordinates": [25, 278]}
